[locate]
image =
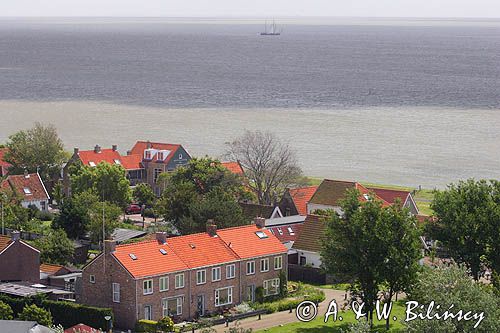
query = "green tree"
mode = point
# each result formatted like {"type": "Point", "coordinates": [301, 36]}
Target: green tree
{"type": "Point", "coordinates": [55, 248]}
{"type": "Point", "coordinates": [58, 193]}
{"type": "Point", "coordinates": [6, 312]}
{"type": "Point", "coordinates": [74, 215]}
{"type": "Point", "coordinates": [34, 313]}
{"type": "Point", "coordinates": [38, 148]}
{"type": "Point", "coordinates": [143, 194]}
{"type": "Point", "coordinates": [99, 211]}
{"type": "Point", "coordinates": [108, 181]}
{"type": "Point", "coordinates": [468, 221]}
{"type": "Point", "coordinates": [453, 285]}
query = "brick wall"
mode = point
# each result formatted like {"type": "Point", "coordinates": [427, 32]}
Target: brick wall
{"type": "Point", "coordinates": [20, 262]}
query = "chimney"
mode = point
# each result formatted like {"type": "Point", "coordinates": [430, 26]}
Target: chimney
{"type": "Point", "coordinates": [129, 152]}
{"type": "Point", "coordinates": [211, 228]}
{"type": "Point", "coordinates": [161, 237]}
{"type": "Point", "coordinates": [114, 147]}
{"type": "Point", "coordinates": [109, 246]}
{"type": "Point", "coordinates": [76, 150]}
{"type": "Point", "coordinates": [148, 145]}
{"type": "Point", "coordinates": [15, 235]}
{"type": "Point", "coordinates": [97, 149]}
{"type": "Point", "coordinates": [260, 222]}
{"type": "Point", "coordinates": [26, 174]}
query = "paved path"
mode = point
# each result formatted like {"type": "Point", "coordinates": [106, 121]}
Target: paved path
{"type": "Point", "coordinates": [284, 317]}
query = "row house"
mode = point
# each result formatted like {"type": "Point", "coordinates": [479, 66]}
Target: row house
{"type": "Point", "coordinates": [185, 277]}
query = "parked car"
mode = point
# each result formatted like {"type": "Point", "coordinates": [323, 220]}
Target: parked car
{"type": "Point", "coordinates": [133, 209]}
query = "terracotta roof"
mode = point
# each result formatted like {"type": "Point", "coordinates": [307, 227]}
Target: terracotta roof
{"type": "Point", "coordinates": [252, 211]}
{"type": "Point", "coordinates": [287, 233]}
{"type": "Point", "coordinates": [2, 161]}
{"type": "Point", "coordinates": [140, 146]}
{"type": "Point", "coordinates": [245, 242]}
{"type": "Point", "coordinates": [29, 186]}
{"type": "Point", "coordinates": [132, 162]}
{"type": "Point", "coordinates": [81, 328]}
{"type": "Point", "coordinates": [4, 242]}
{"type": "Point", "coordinates": [234, 167]}
{"type": "Point", "coordinates": [301, 197]}
{"type": "Point", "coordinates": [331, 192]}
{"type": "Point", "coordinates": [105, 155]}
{"type": "Point", "coordinates": [391, 195]}
{"type": "Point", "coordinates": [50, 269]}
{"type": "Point", "coordinates": [310, 236]}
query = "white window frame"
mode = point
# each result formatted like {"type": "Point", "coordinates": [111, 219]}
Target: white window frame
{"type": "Point", "coordinates": [178, 280]}
{"type": "Point", "coordinates": [252, 265]}
{"type": "Point", "coordinates": [216, 277]}
{"type": "Point", "coordinates": [231, 269]}
{"type": "Point", "coordinates": [92, 278]}
{"type": "Point", "coordinates": [163, 283]}
{"type": "Point", "coordinates": [264, 265]}
{"type": "Point", "coordinates": [273, 283]}
{"type": "Point", "coordinates": [229, 296]}
{"type": "Point", "coordinates": [278, 260]}
{"type": "Point", "coordinates": [116, 292]}
{"type": "Point", "coordinates": [147, 290]}
{"type": "Point", "coordinates": [201, 276]}
{"type": "Point", "coordinates": [164, 305]}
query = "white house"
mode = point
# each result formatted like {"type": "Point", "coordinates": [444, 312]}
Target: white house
{"type": "Point", "coordinates": [30, 188]}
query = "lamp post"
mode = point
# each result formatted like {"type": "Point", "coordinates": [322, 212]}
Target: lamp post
{"type": "Point", "coordinates": [109, 324]}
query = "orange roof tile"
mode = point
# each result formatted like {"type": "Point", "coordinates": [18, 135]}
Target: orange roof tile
{"type": "Point", "coordinates": [50, 269]}
{"type": "Point", "coordinates": [29, 186]}
{"type": "Point", "coordinates": [301, 197]}
{"type": "Point", "coordinates": [105, 155]}
{"type": "Point", "coordinates": [132, 162]}
{"type": "Point", "coordinates": [4, 242]}
{"type": "Point", "coordinates": [234, 167]}
{"type": "Point", "coordinates": [140, 146]}
{"type": "Point", "coordinates": [246, 244]}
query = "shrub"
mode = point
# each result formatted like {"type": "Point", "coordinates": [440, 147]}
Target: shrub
{"type": "Point", "coordinates": [34, 313]}
{"type": "Point", "coordinates": [44, 216]}
{"type": "Point", "coordinates": [149, 212]}
{"type": "Point", "coordinates": [144, 325]}
{"type": "Point", "coordinates": [285, 304]}
{"type": "Point", "coordinates": [165, 324]}
{"type": "Point", "coordinates": [6, 312]}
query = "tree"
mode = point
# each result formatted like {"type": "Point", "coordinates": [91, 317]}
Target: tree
{"type": "Point", "coordinates": [108, 181]}
{"type": "Point", "coordinates": [143, 194]}
{"type": "Point", "coordinates": [6, 312]}
{"type": "Point", "coordinates": [269, 164]}
{"type": "Point", "coordinates": [468, 221]}
{"type": "Point", "coordinates": [34, 313]}
{"type": "Point", "coordinates": [38, 148]}
{"type": "Point", "coordinates": [453, 285]}
{"type": "Point", "coordinates": [74, 215]}
{"type": "Point", "coordinates": [202, 190]}
{"type": "Point", "coordinates": [55, 248]}
{"type": "Point", "coordinates": [99, 211]}
{"type": "Point", "coordinates": [370, 245]}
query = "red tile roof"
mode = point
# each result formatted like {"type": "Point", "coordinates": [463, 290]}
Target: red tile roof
{"type": "Point", "coordinates": [391, 195]}
{"type": "Point", "coordinates": [301, 197]}
{"type": "Point", "coordinates": [246, 244]}
{"type": "Point", "coordinates": [30, 182]}
{"type": "Point", "coordinates": [234, 167]}
{"type": "Point", "coordinates": [2, 161]}
{"type": "Point", "coordinates": [81, 328]}
{"type": "Point", "coordinates": [286, 235]}
{"type": "Point", "coordinates": [132, 162]}
{"type": "Point", "coordinates": [50, 269]}
{"type": "Point", "coordinates": [105, 155]}
{"type": "Point", "coordinates": [4, 242]}
{"type": "Point", "coordinates": [140, 146]}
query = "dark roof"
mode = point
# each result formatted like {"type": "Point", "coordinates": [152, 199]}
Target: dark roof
{"type": "Point", "coordinates": [287, 233]}
{"type": "Point", "coordinates": [310, 236]}
{"type": "Point", "coordinates": [252, 211]}
{"type": "Point", "coordinates": [121, 235]}
{"type": "Point", "coordinates": [390, 195]}
{"type": "Point", "coordinates": [330, 192]}
{"type": "Point", "coordinates": [17, 326]}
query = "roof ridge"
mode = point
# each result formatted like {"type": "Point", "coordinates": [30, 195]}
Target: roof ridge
{"type": "Point", "coordinates": [238, 227]}
{"type": "Point", "coordinates": [158, 143]}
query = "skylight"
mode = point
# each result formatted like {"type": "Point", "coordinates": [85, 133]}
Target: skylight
{"type": "Point", "coordinates": [132, 256]}
{"type": "Point", "coordinates": [91, 163]}
{"type": "Point", "coordinates": [290, 231]}
{"type": "Point", "coordinates": [261, 234]}
{"type": "Point", "coordinates": [117, 162]}
{"type": "Point", "coordinates": [26, 190]}
{"type": "Point", "coordinates": [192, 245]}
{"type": "Point", "coordinates": [280, 231]}
{"type": "Point", "coordinates": [163, 251]}
{"type": "Point", "coordinates": [366, 196]}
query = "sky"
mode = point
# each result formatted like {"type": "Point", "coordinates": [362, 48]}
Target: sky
{"type": "Point", "coordinates": [253, 8]}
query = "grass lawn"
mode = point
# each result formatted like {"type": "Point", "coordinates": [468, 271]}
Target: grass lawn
{"type": "Point", "coordinates": [318, 324]}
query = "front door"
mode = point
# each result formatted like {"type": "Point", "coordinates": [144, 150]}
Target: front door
{"type": "Point", "coordinates": [201, 305]}
{"type": "Point", "coordinates": [251, 293]}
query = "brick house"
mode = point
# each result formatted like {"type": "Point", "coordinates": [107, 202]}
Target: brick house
{"type": "Point", "coordinates": [30, 189]}
{"type": "Point", "coordinates": [185, 276]}
{"type": "Point", "coordinates": [294, 200]}
{"type": "Point", "coordinates": [19, 260]}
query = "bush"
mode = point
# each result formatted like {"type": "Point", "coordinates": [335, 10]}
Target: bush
{"type": "Point", "coordinates": [6, 312]}
{"type": "Point", "coordinates": [285, 304]}
{"type": "Point", "coordinates": [144, 325]}
{"type": "Point", "coordinates": [34, 313]}
{"type": "Point", "coordinates": [149, 212]}
{"type": "Point", "coordinates": [165, 324]}
{"type": "Point", "coordinates": [45, 216]}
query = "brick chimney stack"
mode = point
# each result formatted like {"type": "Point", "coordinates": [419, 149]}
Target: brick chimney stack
{"type": "Point", "coordinates": [161, 237]}
{"type": "Point", "coordinates": [109, 246]}
{"type": "Point", "coordinates": [114, 147]}
{"type": "Point", "coordinates": [97, 149]}
{"type": "Point", "coordinates": [148, 145]}
{"type": "Point", "coordinates": [76, 150]}
{"type": "Point", "coordinates": [260, 222]}
{"type": "Point", "coordinates": [211, 228]}
{"type": "Point", "coordinates": [129, 152]}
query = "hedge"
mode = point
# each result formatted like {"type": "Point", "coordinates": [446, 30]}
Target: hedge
{"type": "Point", "coordinates": [144, 325]}
{"type": "Point", "coordinates": [286, 304]}
{"type": "Point", "coordinates": [65, 313]}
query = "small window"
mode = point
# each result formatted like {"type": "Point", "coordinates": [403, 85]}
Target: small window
{"type": "Point", "coordinates": [159, 156]}
{"type": "Point", "coordinates": [271, 287]}
{"type": "Point", "coordinates": [147, 287]}
{"type": "Point", "coordinates": [201, 276]}
{"type": "Point", "coordinates": [26, 190]}
{"type": "Point", "coordinates": [179, 281]}
{"type": "Point", "coordinates": [278, 262]}
{"type": "Point", "coordinates": [216, 274]}
{"type": "Point", "coordinates": [180, 156]}
{"type": "Point", "coordinates": [367, 197]}
{"type": "Point", "coordinates": [116, 292]}
{"type": "Point", "coordinates": [261, 234]}
{"type": "Point", "coordinates": [92, 279]}
{"type": "Point", "coordinates": [163, 251]}
{"type": "Point", "coordinates": [147, 154]}
{"type": "Point", "coordinates": [230, 271]}
{"type": "Point", "coordinates": [164, 283]}
{"type": "Point", "coordinates": [264, 265]}
{"type": "Point", "coordinates": [250, 267]}
{"type": "Point", "coordinates": [92, 164]}
{"type": "Point", "coordinates": [280, 231]}
{"type": "Point", "coordinates": [132, 256]}
{"type": "Point", "coordinates": [272, 231]}
{"type": "Point", "coordinates": [117, 162]}
{"type": "Point", "coordinates": [290, 231]}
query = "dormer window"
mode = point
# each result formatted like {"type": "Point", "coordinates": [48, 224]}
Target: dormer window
{"type": "Point", "coordinates": [160, 156]}
{"type": "Point", "coordinates": [27, 191]}
{"type": "Point", "coordinates": [147, 154]}
{"type": "Point", "coordinates": [92, 163]}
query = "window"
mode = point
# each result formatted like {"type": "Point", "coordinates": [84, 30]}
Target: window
{"type": "Point", "coordinates": [171, 306]}
{"type": "Point", "coordinates": [280, 231]}
{"type": "Point", "coordinates": [230, 271]}
{"type": "Point", "coordinates": [180, 156]}
{"type": "Point", "coordinates": [290, 231]}
{"type": "Point", "coordinates": [216, 274]}
{"type": "Point", "coordinates": [250, 267]}
{"type": "Point", "coordinates": [156, 174]}
{"type": "Point", "coordinates": [92, 164]}
{"type": "Point", "coordinates": [261, 234]}
{"type": "Point", "coordinates": [92, 279]}
{"type": "Point", "coordinates": [147, 154]}
{"type": "Point", "coordinates": [159, 156]}
{"type": "Point", "coordinates": [201, 276]}
{"type": "Point", "coordinates": [117, 162]}
{"type": "Point", "coordinates": [148, 312]}
{"type": "Point", "coordinates": [278, 262]}
{"type": "Point", "coordinates": [250, 296]}
{"type": "Point", "coordinates": [271, 287]}
{"type": "Point", "coordinates": [26, 190]}
{"type": "Point", "coordinates": [179, 281]}
{"type": "Point", "coordinates": [147, 287]}
{"type": "Point", "coordinates": [223, 296]}
{"type": "Point", "coordinates": [116, 292]}
{"type": "Point", "coordinates": [264, 265]}
{"type": "Point", "coordinates": [164, 283]}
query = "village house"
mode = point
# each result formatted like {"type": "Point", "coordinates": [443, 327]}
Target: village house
{"type": "Point", "coordinates": [19, 261]}
{"type": "Point", "coordinates": [30, 189]}
{"type": "Point", "coordinates": [404, 198]}
{"type": "Point", "coordinates": [185, 276]}
{"type": "Point", "coordinates": [286, 229]}
{"type": "Point", "coordinates": [294, 201]}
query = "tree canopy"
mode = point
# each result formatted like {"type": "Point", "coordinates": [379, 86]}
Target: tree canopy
{"type": "Point", "coordinates": [55, 248]}
{"type": "Point", "coordinates": [35, 313]}
{"type": "Point", "coordinates": [143, 195]}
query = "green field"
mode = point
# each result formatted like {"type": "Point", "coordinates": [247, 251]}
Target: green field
{"type": "Point", "coordinates": [318, 324]}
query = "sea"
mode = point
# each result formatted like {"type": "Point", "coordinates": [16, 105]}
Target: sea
{"type": "Point", "coordinates": [395, 101]}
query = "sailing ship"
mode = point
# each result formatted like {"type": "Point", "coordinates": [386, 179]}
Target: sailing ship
{"type": "Point", "coordinates": [270, 30]}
